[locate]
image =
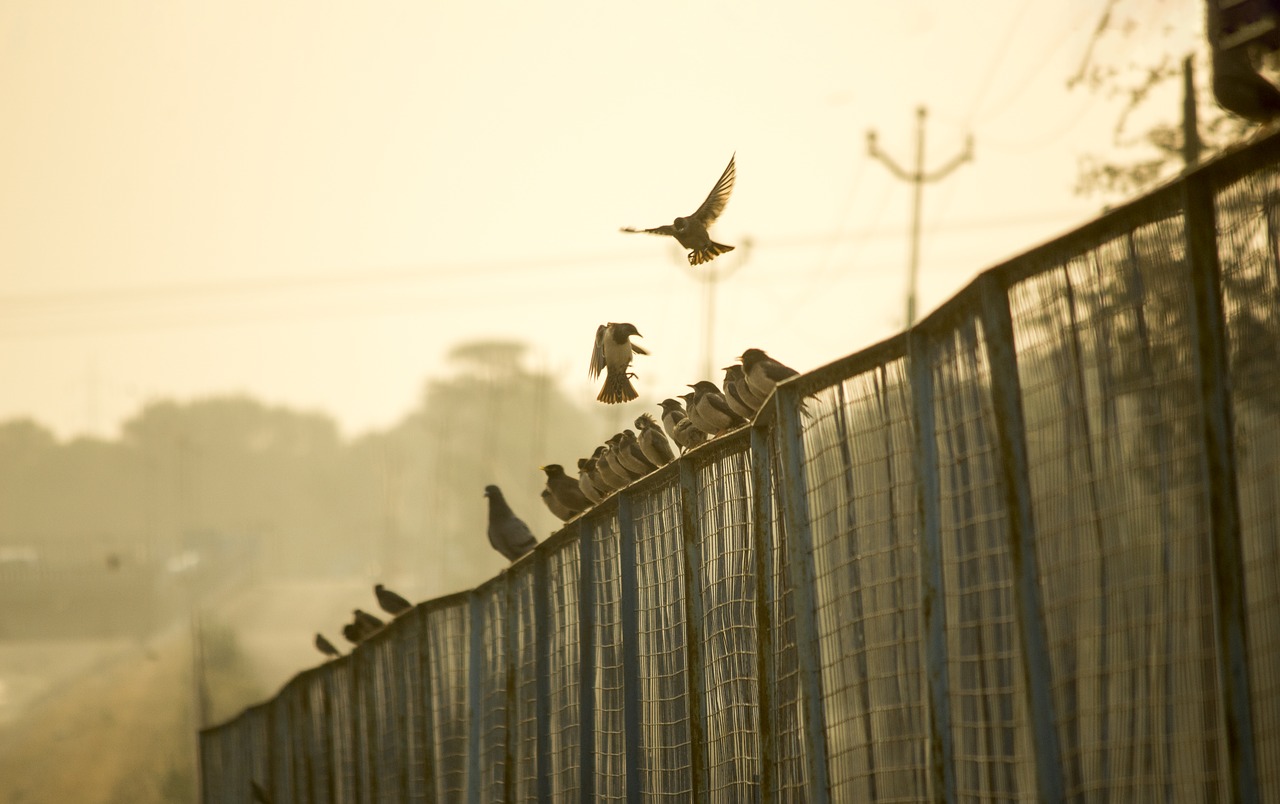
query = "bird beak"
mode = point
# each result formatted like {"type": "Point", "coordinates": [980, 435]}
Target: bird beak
{"type": "Point", "coordinates": [542, 468]}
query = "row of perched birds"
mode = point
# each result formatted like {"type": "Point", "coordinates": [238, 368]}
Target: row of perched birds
{"type": "Point", "coordinates": [688, 420]}
{"type": "Point", "coordinates": [363, 624]}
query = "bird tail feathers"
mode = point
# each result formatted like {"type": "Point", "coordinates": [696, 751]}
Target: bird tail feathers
{"type": "Point", "coordinates": [699, 256]}
{"type": "Point", "coordinates": [617, 388]}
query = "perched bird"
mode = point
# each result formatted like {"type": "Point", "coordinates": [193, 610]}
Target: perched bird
{"type": "Point", "coordinates": [632, 457]}
{"type": "Point", "coordinates": [738, 393]}
{"type": "Point", "coordinates": [612, 354]}
{"type": "Point", "coordinates": [691, 232]}
{"type": "Point", "coordinates": [688, 435]}
{"type": "Point", "coordinates": [763, 372]}
{"type": "Point", "coordinates": [608, 471]}
{"type": "Point", "coordinates": [390, 602]}
{"type": "Point", "coordinates": [652, 442]}
{"type": "Point", "coordinates": [565, 490]}
{"type": "Point", "coordinates": [508, 534]}
{"type": "Point", "coordinates": [672, 413]}
{"type": "Point", "coordinates": [553, 505]}
{"type": "Point", "coordinates": [366, 622]}
{"type": "Point", "coordinates": [586, 481]}
{"type": "Point", "coordinates": [326, 647]}
{"type": "Point", "coordinates": [709, 407]}
{"type": "Point", "coordinates": [613, 463]}
{"type": "Point", "coordinates": [351, 633]}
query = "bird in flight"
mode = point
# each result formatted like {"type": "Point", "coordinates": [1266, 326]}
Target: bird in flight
{"type": "Point", "coordinates": [691, 232]}
{"type": "Point", "coordinates": [612, 354]}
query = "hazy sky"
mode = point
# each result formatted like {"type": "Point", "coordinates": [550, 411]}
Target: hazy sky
{"type": "Point", "coordinates": [312, 202]}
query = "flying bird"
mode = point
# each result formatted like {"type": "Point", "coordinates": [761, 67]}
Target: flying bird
{"type": "Point", "coordinates": [390, 602]}
{"type": "Point", "coordinates": [326, 647]}
{"type": "Point", "coordinates": [691, 232]}
{"type": "Point", "coordinates": [612, 355]}
{"type": "Point", "coordinates": [652, 442]}
{"type": "Point", "coordinates": [507, 533]}
{"type": "Point", "coordinates": [763, 372]}
{"type": "Point", "coordinates": [565, 491]}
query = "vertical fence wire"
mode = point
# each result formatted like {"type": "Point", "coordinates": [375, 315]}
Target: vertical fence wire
{"type": "Point", "coordinates": [610, 741]}
{"type": "Point", "coordinates": [1248, 215]}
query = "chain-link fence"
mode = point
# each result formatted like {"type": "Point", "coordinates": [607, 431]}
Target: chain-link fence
{"type": "Point", "coordinates": [1028, 550]}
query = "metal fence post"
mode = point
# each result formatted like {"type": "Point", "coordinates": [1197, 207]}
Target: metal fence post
{"type": "Point", "coordinates": [1210, 342]}
{"type": "Point", "coordinates": [942, 757]}
{"type": "Point", "coordinates": [694, 616]}
{"type": "Point", "coordinates": [795, 512]}
{"type": "Point", "coordinates": [1011, 438]}
{"type": "Point", "coordinates": [630, 648]}
{"type": "Point", "coordinates": [587, 662]}
{"type": "Point", "coordinates": [510, 622]}
{"type": "Point", "coordinates": [474, 660]}
{"type": "Point", "coordinates": [542, 672]}
{"type": "Point", "coordinates": [766, 598]}
{"type": "Point", "coordinates": [428, 715]}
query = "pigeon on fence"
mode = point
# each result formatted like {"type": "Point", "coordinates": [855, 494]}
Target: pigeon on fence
{"type": "Point", "coordinates": [367, 623]}
{"type": "Point", "coordinates": [390, 602]}
{"type": "Point", "coordinates": [508, 534]}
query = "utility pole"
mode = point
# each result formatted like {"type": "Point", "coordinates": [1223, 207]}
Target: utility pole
{"type": "Point", "coordinates": [917, 178]}
{"type": "Point", "coordinates": [710, 274]}
{"type": "Point", "coordinates": [1190, 127]}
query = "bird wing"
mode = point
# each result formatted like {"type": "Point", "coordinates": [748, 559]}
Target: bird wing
{"type": "Point", "coordinates": [714, 205]}
{"type": "Point", "coordinates": [640, 350]}
{"type": "Point", "coordinates": [777, 371]}
{"type": "Point", "coordinates": [667, 230]}
{"type": "Point", "coordinates": [597, 353]}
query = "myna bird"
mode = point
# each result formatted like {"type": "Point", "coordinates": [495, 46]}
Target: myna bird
{"type": "Point", "coordinates": [565, 490]}
{"type": "Point", "coordinates": [709, 406]}
{"type": "Point", "coordinates": [652, 442]}
{"type": "Point", "coordinates": [612, 355]}
{"type": "Point", "coordinates": [738, 394]}
{"type": "Point", "coordinates": [326, 647]}
{"type": "Point", "coordinates": [632, 457]}
{"type": "Point", "coordinates": [586, 481]}
{"type": "Point", "coordinates": [691, 232]}
{"type": "Point", "coordinates": [390, 602]}
{"type": "Point", "coordinates": [763, 372]}
{"type": "Point", "coordinates": [610, 476]}
{"type": "Point", "coordinates": [612, 461]}
{"type": "Point", "coordinates": [672, 413]}
{"type": "Point", "coordinates": [508, 534]}
{"type": "Point", "coordinates": [553, 505]}
{"type": "Point", "coordinates": [688, 435]}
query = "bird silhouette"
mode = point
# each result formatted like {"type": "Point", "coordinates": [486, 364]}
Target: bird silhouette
{"type": "Point", "coordinates": [367, 623]}
{"type": "Point", "coordinates": [763, 372]}
{"type": "Point", "coordinates": [612, 354]}
{"type": "Point", "coordinates": [390, 602]}
{"type": "Point", "coordinates": [691, 232]}
{"type": "Point", "coordinates": [508, 534]}
{"type": "Point", "coordinates": [326, 647]}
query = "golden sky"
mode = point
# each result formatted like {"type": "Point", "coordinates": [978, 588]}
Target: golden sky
{"type": "Point", "coordinates": [312, 202]}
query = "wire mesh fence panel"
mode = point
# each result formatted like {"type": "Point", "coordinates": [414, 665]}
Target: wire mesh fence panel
{"type": "Point", "coordinates": [988, 694]}
{"type": "Point", "coordinates": [341, 734]}
{"type": "Point", "coordinates": [217, 763]}
{"type": "Point", "coordinates": [727, 575]}
{"type": "Point", "coordinates": [1115, 450]}
{"type": "Point", "coordinates": [565, 670]}
{"type": "Point", "coordinates": [315, 736]}
{"type": "Point", "coordinates": [407, 669]}
{"type": "Point", "coordinates": [790, 772]}
{"type": "Point", "coordinates": [448, 638]}
{"type": "Point", "coordinates": [386, 721]}
{"type": "Point", "coordinates": [610, 743]}
{"type": "Point", "coordinates": [491, 716]}
{"type": "Point", "coordinates": [859, 445]}
{"type": "Point", "coordinates": [662, 637]}
{"type": "Point", "coordinates": [280, 732]}
{"type": "Point", "coordinates": [524, 687]}
{"type": "Point", "coordinates": [1249, 252]}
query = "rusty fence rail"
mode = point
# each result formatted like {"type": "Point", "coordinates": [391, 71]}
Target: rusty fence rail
{"type": "Point", "coordinates": [1027, 550]}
